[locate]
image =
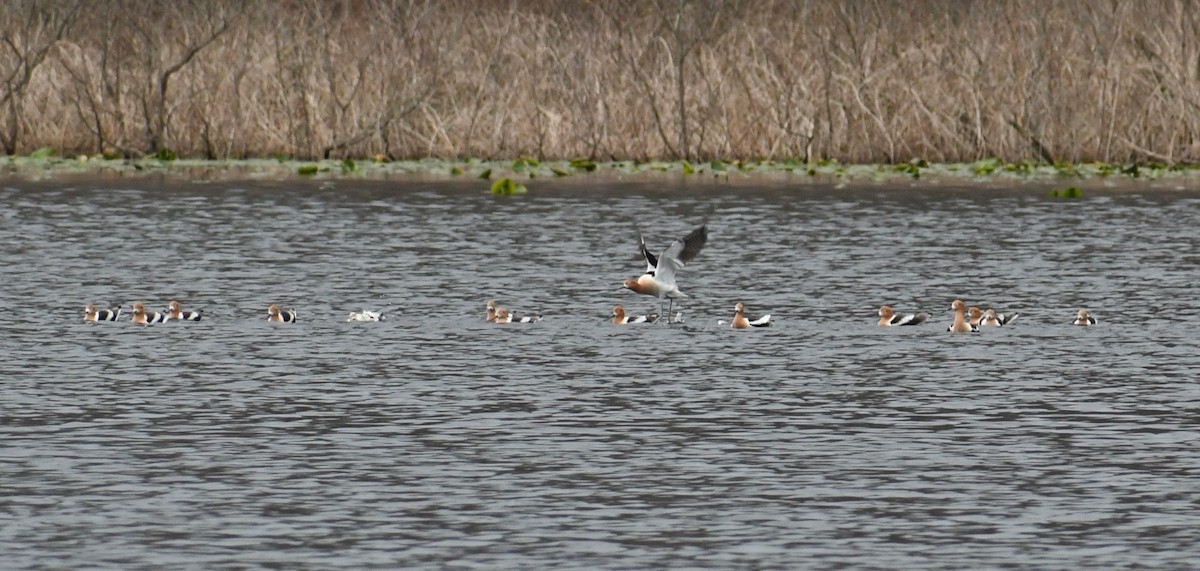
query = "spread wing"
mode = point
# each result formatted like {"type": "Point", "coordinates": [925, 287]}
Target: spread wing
{"type": "Point", "coordinates": [692, 243]}
{"type": "Point", "coordinates": [680, 252]}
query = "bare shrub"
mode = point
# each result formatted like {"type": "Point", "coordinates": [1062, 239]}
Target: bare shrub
{"type": "Point", "coordinates": [943, 80]}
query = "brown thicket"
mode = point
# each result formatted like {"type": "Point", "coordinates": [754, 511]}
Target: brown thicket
{"type": "Point", "coordinates": [853, 80]}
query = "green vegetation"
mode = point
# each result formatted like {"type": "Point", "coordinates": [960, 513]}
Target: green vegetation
{"type": "Point", "coordinates": [583, 165]}
{"type": "Point", "coordinates": [1058, 180]}
{"type": "Point", "coordinates": [506, 186]}
{"type": "Point", "coordinates": [912, 168]}
{"type": "Point", "coordinates": [527, 165]}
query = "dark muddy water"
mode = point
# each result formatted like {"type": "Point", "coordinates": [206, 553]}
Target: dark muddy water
{"type": "Point", "coordinates": [437, 440]}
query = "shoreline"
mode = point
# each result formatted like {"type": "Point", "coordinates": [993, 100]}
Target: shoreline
{"type": "Point", "coordinates": [531, 173]}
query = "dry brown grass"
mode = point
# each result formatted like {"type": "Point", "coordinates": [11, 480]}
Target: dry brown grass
{"type": "Point", "coordinates": [856, 81]}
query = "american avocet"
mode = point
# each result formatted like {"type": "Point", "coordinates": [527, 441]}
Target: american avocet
{"type": "Point", "coordinates": [619, 317]}
{"type": "Point", "coordinates": [141, 317]}
{"type": "Point", "coordinates": [888, 318]}
{"type": "Point", "coordinates": [659, 280]}
{"type": "Point", "coordinates": [740, 321]}
{"type": "Point", "coordinates": [961, 325]}
{"type": "Point", "coordinates": [974, 315]}
{"type": "Point", "coordinates": [175, 311]}
{"type": "Point", "coordinates": [276, 315]}
{"type": "Point", "coordinates": [90, 313]}
{"type": "Point", "coordinates": [1082, 318]}
{"type": "Point", "coordinates": [503, 316]}
{"type": "Point", "coordinates": [993, 319]}
{"type": "Point", "coordinates": [491, 311]}
{"type": "Point", "coordinates": [365, 315]}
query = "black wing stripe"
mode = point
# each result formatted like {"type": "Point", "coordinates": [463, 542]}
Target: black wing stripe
{"type": "Point", "coordinates": [651, 260]}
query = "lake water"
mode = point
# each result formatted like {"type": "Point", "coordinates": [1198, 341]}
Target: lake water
{"type": "Point", "coordinates": [437, 440]}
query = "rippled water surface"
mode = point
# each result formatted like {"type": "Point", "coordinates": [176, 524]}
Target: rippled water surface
{"type": "Point", "coordinates": [437, 440]}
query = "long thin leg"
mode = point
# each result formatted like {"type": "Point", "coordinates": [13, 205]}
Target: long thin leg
{"type": "Point", "coordinates": [670, 308]}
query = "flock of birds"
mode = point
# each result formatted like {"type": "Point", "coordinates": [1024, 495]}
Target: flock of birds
{"type": "Point", "coordinates": [175, 311]}
{"type": "Point", "coordinates": [658, 281]}
{"type": "Point", "coordinates": [140, 315]}
{"type": "Point", "coordinates": [967, 319]}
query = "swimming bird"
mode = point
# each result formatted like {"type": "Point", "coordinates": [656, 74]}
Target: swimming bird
{"type": "Point", "coordinates": [491, 311]}
{"type": "Point", "coordinates": [961, 325]}
{"type": "Point", "coordinates": [175, 311]}
{"type": "Point", "coordinates": [741, 322]}
{"type": "Point", "coordinates": [975, 315]}
{"type": "Point", "coordinates": [90, 313]}
{"type": "Point", "coordinates": [659, 279]}
{"type": "Point", "coordinates": [619, 317]}
{"type": "Point", "coordinates": [365, 315]}
{"type": "Point", "coordinates": [503, 316]}
{"type": "Point", "coordinates": [993, 319]}
{"type": "Point", "coordinates": [888, 318]}
{"type": "Point", "coordinates": [141, 317]}
{"type": "Point", "coordinates": [1082, 318]}
{"type": "Point", "coordinates": [276, 315]}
